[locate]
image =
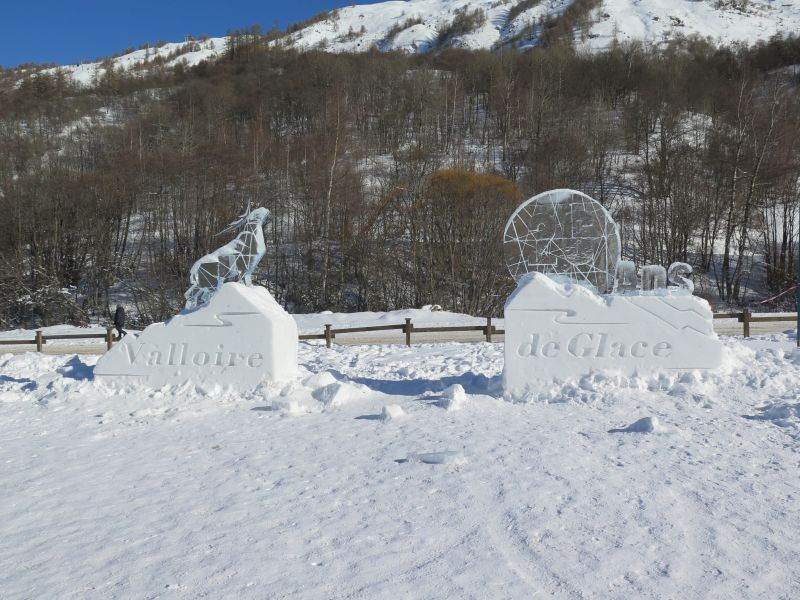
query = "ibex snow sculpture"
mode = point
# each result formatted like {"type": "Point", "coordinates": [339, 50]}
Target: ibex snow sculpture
{"type": "Point", "coordinates": [235, 261]}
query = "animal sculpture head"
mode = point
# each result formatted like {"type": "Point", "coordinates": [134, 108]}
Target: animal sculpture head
{"type": "Point", "coordinates": [254, 216]}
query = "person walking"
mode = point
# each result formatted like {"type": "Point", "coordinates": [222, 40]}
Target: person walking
{"type": "Point", "coordinates": [119, 321]}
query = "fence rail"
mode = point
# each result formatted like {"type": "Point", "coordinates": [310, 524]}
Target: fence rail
{"type": "Point", "coordinates": [488, 331]}
{"type": "Point", "coordinates": [745, 317]}
{"type": "Point", "coordinates": [41, 339]}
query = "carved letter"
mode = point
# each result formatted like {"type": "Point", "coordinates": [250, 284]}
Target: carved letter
{"type": "Point", "coordinates": [654, 277]}
{"type": "Point", "coordinates": [662, 350]}
{"type": "Point", "coordinates": [154, 359]}
{"type": "Point", "coordinates": [218, 357]}
{"type": "Point", "coordinates": [171, 355]}
{"type": "Point", "coordinates": [526, 349]}
{"type": "Point", "coordinates": [132, 354]}
{"type": "Point", "coordinates": [251, 362]}
{"type": "Point", "coordinates": [677, 275]}
{"type": "Point", "coordinates": [626, 276]}
{"type": "Point", "coordinates": [638, 349]}
{"type": "Point", "coordinates": [617, 350]}
{"type": "Point", "coordinates": [573, 346]}
{"type": "Point", "coordinates": [550, 349]}
{"type": "Point", "coordinates": [602, 347]}
{"type": "Point", "coordinates": [200, 359]}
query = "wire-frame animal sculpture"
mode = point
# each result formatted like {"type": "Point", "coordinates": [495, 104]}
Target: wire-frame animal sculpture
{"type": "Point", "coordinates": [235, 261]}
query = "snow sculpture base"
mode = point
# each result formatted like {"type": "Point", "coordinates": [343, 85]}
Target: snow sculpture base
{"type": "Point", "coordinates": [556, 331]}
{"type": "Point", "coordinates": [241, 338]}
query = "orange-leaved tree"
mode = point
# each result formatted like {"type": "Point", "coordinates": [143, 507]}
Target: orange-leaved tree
{"type": "Point", "coordinates": [464, 214]}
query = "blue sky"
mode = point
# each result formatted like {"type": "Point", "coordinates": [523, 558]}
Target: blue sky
{"type": "Point", "coordinates": [68, 31]}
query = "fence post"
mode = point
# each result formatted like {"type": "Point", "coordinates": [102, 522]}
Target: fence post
{"type": "Point", "coordinates": [109, 337]}
{"type": "Point", "coordinates": [408, 329]}
{"type": "Point", "coordinates": [746, 322]}
{"type": "Point", "coordinates": [489, 329]}
{"type": "Point", "coordinates": [327, 336]}
{"type": "Point", "coordinates": [39, 340]}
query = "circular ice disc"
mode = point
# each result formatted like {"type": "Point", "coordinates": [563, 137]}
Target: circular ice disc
{"type": "Point", "coordinates": [564, 234]}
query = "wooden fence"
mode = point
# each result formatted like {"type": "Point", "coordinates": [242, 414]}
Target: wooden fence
{"type": "Point", "coordinates": [488, 331]}
{"type": "Point", "coordinates": [745, 318]}
{"type": "Point", "coordinates": [41, 339]}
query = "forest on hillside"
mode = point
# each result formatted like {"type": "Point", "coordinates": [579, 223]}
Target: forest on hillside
{"type": "Point", "coordinates": [391, 177]}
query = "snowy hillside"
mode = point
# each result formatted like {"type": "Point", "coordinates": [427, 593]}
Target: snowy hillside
{"type": "Point", "coordinates": [417, 25]}
{"type": "Point", "coordinates": [167, 55]}
{"type": "Point", "coordinates": [388, 472]}
{"type": "Point", "coordinates": [425, 25]}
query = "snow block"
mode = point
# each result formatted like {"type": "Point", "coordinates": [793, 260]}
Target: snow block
{"type": "Point", "coordinates": [557, 331]}
{"type": "Point", "coordinates": [241, 338]}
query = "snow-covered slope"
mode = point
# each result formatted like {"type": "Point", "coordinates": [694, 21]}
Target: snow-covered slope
{"type": "Point", "coordinates": [168, 55]}
{"type": "Point", "coordinates": [425, 25]}
{"type": "Point", "coordinates": [518, 23]}
{"type": "Point", "coordinates": [657, 21]}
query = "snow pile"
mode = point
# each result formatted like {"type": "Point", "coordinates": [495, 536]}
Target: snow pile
{"type": "Point", "coordinates": [392, 412]}
{"type": "Point", "coordinates": [312, 394]}
{"type": "Point", "coordinates": [338, 394]}
{"type": "Point", "coordinates": [598, 387]}
{"type": "Point", "coordinates": [455, 397]}
{"type": "Point", "coordinates": [116, 490]}
{"type": "Point", "coordinates": [783, 412]}
{"type": "Point", "coordinates": [643, 425]}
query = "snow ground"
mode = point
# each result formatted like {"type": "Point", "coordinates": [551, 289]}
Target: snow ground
{"type": "Point", "coordinates": [375, 476]}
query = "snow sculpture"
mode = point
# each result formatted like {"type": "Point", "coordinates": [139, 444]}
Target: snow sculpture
{"type": "Point", "coordinates": [234, 261]}
{"type": "Point", "coordinates": [654, 278]}
{"type": "Point", "coordinates": [558, 330]}
{"type": "Point", "coordinates": [230, 333]}
{"type": "Point", "coordinates": [563, 322]}
{"type": "Point", "coordinates": [677, 273]}
{"type": "Point", "coordinates": [626, 276]}
{"type": "Point", "coordinates": [563, 233]}
{"type": "Point", "coordinates": [240, 338]}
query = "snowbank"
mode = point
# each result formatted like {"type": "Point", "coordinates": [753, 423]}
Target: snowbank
{"type": "Point", "coordinates": [315, 322]}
